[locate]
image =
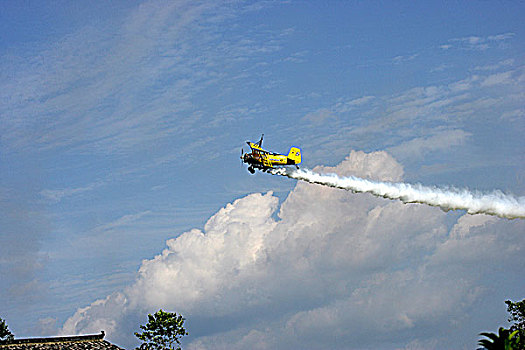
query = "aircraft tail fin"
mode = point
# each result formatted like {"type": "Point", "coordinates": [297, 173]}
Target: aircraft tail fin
{"type": "Point", "coordinates": [294, 155]}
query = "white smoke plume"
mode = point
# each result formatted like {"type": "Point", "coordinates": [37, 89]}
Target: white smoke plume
{"type": "Point", "coordinates": [496, 203]}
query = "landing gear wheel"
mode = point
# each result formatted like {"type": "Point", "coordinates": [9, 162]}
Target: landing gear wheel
{"type": "Point", "coordinates": [251, 170]}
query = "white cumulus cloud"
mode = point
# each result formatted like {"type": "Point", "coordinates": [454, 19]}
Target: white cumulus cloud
{"type": "Point", "coordinates": [324, 269]}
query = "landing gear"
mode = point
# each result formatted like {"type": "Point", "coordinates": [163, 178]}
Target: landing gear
{"type": "Point", "coordinates": [251, 170]}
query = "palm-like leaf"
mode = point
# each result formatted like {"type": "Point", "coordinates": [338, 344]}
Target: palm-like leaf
{"type": "Point", "coordinates": [504, 340]}
{"type": "Point", "coordinates": [496, 342]}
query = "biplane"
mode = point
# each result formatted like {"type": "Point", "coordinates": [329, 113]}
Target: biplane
{"type": "Point", "coordinates": [264, 160]}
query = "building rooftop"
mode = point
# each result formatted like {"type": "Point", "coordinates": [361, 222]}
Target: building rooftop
{"type": "Point", "coordinates": [79, 342]}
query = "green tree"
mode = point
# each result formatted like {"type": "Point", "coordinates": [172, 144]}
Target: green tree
{"type": "Point", "coordinates": [517, 314]}
{"type": "Point", "coordinates": [5, 333]}
{"type": "Point", "coordinates": [517, 317]}
{"type": "Point", "coordinates": [504, 340]}
{"type": "Point", "coordinates": [163, 331]}
{"type": "Point", "coordinates": [508, 339]}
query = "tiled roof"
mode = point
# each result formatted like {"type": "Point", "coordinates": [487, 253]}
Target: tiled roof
{"type": "Point", "coordinates": [80, 342]}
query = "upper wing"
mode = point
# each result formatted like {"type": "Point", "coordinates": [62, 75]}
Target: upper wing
{"type": "Point", "coordinates": [256, 147]}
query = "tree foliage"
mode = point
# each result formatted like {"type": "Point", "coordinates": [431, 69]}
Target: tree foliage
{"type": "Point", "coordinates": [517, 314]}
{"type": "Point", "coordinates": [517, 317]}
{"type": "Point", "coordinates": [163, 331]}
{"type": "Point", "coordinates": [5, 333]}
{"type": "Point", "coordinates": [504, 340]}
{"type": "Point", "coordinates": [508, 339]}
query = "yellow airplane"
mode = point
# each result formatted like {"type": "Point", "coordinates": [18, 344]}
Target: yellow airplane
{"type": "Point", "coordinates": [265, 160]}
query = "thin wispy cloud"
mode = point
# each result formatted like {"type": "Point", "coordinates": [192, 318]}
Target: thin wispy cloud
{"type": "Point", "coordinates": [58, 195]}
{"type": "Point", "coordinates": [123, 221]}
{"type": "Point", "coordinates": [498, 79]}
{"type": "Point", "coordinates": [345, 106]}
{"type": "Point", "coordinates": [503, 64]}
{"type": "Point", "coordinates": [123, 90]}
{"type": "Point", "coordinates": [421, 146]}
{"type": "Point", "coordinates": [403, 59]}
{"type": "Point", "coordinates": [320, 116]}
{"type": "Point", "coordinates": [401, 122]}
{"type": "Point", "coordinates": [478, 43]}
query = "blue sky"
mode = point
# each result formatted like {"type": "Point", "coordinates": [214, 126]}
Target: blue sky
{"type": "Point", "coordinates": [121, 126]}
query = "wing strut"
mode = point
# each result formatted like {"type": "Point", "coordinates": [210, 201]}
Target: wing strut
{"type": "Point", "coordinates": [260, 141]}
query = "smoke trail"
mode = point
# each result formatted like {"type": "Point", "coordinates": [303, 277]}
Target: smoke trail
{"type": "Point", "coordinates": [496, 203]}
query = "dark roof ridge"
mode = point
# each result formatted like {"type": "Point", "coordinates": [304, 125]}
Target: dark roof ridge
{"type": "Point", "coordinates": [65, 339]}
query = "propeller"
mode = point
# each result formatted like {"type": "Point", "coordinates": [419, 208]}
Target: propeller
{"type": "Point", "coordinates": [242, 155]}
